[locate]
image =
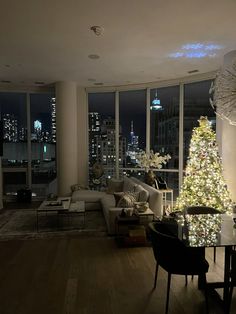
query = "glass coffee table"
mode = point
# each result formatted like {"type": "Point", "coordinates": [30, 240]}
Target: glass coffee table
{"type": "Point", "coordinates": [62, 206]}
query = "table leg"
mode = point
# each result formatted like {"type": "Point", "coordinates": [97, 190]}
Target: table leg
{"type": "Point", "coordinates": [228, 250]}
{"type": "Point", "coordinates": [172, 200]}
{"type": "Point", "coordinates": [37, 221]}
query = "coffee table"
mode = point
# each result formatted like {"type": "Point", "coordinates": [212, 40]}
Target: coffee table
{"type": "Point", "coordinates": [62, 206]}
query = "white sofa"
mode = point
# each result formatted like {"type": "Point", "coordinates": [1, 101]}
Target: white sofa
{"type": "Point", "coordinates": [101, 200]}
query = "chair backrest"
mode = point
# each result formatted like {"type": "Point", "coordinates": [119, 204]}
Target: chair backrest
{"type": "Point", "coordinates": [165, 246]}
{"type": "Point", "coordinates": [200, 210]}
{"type": "Point", "coordinates": [172, 255]}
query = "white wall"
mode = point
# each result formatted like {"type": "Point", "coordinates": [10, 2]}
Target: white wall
{"type": "Point", "coordinates": [228, 145]}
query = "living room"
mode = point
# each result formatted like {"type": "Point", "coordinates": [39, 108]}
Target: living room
{"type": "Point", "coordinates": [98, 82]}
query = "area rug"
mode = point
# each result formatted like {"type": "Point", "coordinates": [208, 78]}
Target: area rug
{"type": "Point", "coordinates": [22, 223]}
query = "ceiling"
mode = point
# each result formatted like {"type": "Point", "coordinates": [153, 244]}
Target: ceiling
{"type": "Point", "coordinates": [49, 41]}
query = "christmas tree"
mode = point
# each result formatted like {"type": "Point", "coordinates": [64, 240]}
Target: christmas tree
{"type": "Point", "coordinates": [203, 184]}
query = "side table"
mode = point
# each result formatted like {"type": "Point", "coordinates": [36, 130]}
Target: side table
{"type": "Point", "coordinates": [126, 221]}
{"type": "Point", "coordinates": [164, 197]}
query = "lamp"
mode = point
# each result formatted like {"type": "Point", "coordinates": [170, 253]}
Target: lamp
{"type": "Point", "coordinates": [224, 90]}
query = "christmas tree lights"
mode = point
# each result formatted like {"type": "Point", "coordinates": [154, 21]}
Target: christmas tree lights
{"type": "Point", "coordinates": [203, 184]}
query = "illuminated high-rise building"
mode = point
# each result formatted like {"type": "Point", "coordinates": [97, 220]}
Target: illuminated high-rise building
{"type": "Point", "coordinates": [133, 146]}
{"type": "Point", "coordinates": [53, 121]}
{"type": "Point", "coordinates": [10, 128]}
{"type": "Point", "coordinates": [94, 135]}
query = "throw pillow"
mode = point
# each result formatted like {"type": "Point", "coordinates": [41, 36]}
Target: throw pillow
{"type": "Point", "coordinates": [128, 199]}
{"type": "Point", "coordinates": [128, 185]}
{"type": "Point", "coordinates": [143, 194]}
{"type": "Point", "coordinates": [118, 196]}
{"type": "Point", "coordinates": [114, 185]}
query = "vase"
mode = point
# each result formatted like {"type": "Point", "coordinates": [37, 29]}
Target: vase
{"type": "Point", "coordinates": [150, 178]}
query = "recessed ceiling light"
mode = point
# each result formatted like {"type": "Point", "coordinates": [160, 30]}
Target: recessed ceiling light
{"type": "Point", "coordinates": [98, 84]}
{"type": "Point", "coordinates": [93, 56]}
{"type": "Point", "coordinates": [193, 71]}
{"type": "Point", "coordinates": [39, 83]}
{"type": "Point", "coordinates": [92, 80]}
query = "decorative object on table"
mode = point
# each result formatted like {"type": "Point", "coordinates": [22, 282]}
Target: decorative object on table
{"type": "Point", "coordinates": [223, 91]}
{"type": "Point", "coordinates": [203, 184]}
{"type": "Point", "coordinates": [128, 212]}
{"type": "Point", "coordinates": [141, 206]}
{"type": "Point", "coordinates": [161, 183]}
{"type": "Point", "coordinates": [51, 197]}
{"type": "Point", "coordinates": [97, 173]}
{"type": "Point", "coordinates": [151, 161]}
{"type": "Point", "coordinates": [77, 187]}
{"type": "Point", "coordinates": [150, 178]}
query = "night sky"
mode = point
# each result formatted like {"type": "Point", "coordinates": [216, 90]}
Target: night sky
{"type": "Point", "coordinates": [15, 103]}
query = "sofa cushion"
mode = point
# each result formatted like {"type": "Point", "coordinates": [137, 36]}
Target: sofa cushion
{"type": "Point", "coordinates": [108, 200]}
{"type": "Point", "coordinates": [76, 187]}
{"type": "Point", "coordinates": [129, 185]}
{"type": "Point", "coordinates": [143, 194]}
{"type": "Point", "coordinates": [155, 199]}
{"type": "Point", "coordinates": [89, 196]}
{"type": "Point", "coordinates": [114, 185]}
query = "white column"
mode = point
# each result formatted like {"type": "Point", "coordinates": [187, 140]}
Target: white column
{"type": "Point", "coordinates": [228, 146]}
{"type": "Point", "coordinates": [1, 184]}
{"type": "Point", "coordinates": [83, 163]}
{"type": "Point", "coordinates": [67, 139]}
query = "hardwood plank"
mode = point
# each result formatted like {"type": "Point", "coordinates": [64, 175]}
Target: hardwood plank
{"type": "Point", "coordinates": [71, 275]}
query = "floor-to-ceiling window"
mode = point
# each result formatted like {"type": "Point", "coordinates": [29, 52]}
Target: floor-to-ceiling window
{"type": "Point", "coordinates": [102, 147]}
{"type": "Point", "coordinates": [23, 113]}
{"type": "Point", "coordinates": [14, 133]}
{"type": "Point", "coordinates": [43, 142]}
{"type": "Point", "coordinates": [132, 120]}
{"type": "Point", "coordinates": [196, 104]}
{"type": "Point", "coordinates": [174, 112]}
{"type": "Point", "coordinates": [164, 130]}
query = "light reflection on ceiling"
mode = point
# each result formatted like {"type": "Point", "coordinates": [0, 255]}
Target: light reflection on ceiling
{"type": "Point", "coordinates": [196, 50]}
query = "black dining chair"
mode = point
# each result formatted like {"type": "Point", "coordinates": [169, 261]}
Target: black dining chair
{"type": "Point", "coordinates": [175, 258]}
{"type": "Point", "coordinates": [202, 210]}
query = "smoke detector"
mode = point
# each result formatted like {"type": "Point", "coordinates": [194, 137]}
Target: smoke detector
{"type": "Point", "coordinates": [98, 30]}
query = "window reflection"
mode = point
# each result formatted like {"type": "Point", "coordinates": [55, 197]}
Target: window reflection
{"type": "Point", "coordinates": [203, 230]}
{"type": "Point", "coordinates": [14, 136]}
{"type": "Point", "coordinates": [102, 145]}
{"type": "Point", "coordinates": [43, 143]}
{"type": "Point", "coordinates": [196, 104]}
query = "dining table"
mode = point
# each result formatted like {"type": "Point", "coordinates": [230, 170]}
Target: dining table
{"type": "Point", "coordinates": [211, 230]}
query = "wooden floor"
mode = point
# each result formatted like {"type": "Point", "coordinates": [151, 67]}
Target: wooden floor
{"type": "Point", "coordinates": [93, 276]}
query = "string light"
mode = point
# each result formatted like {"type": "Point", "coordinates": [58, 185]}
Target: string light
{"type": "Point", "coordinates": [203, 184]}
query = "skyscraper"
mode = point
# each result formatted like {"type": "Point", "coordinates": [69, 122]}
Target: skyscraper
{"type": "Point", "coordinates": [53, 125]}
{"type": "Point", "coordinates": [10, 128]}
{"type": "Point", "coordinates": [133, 146]}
